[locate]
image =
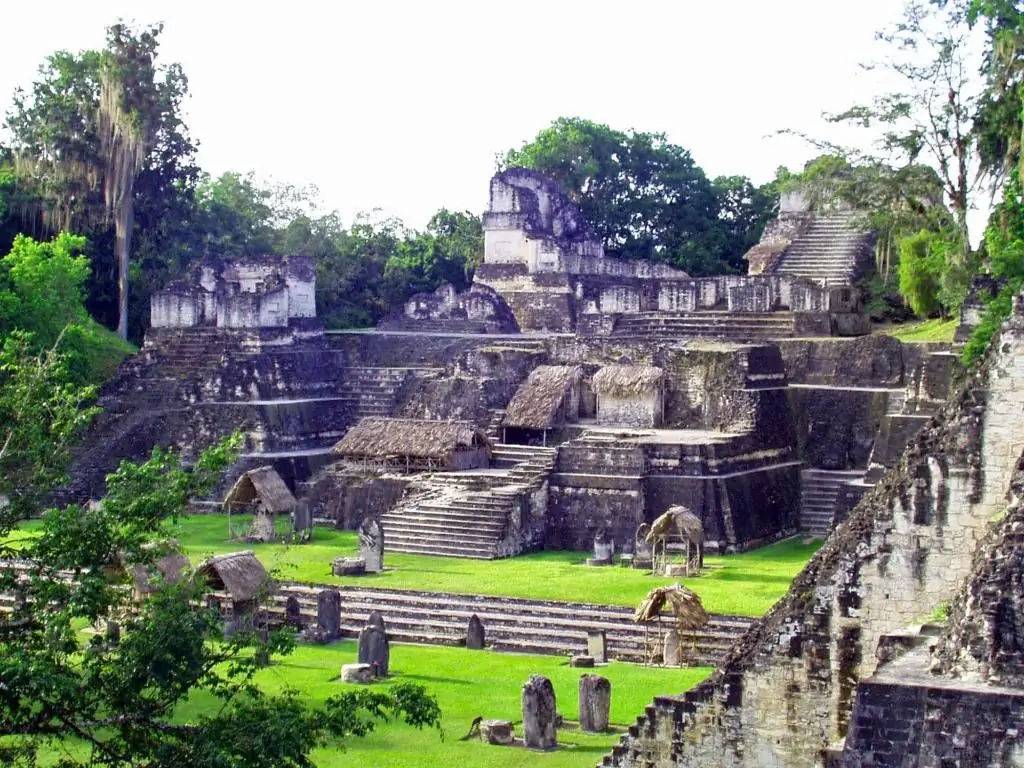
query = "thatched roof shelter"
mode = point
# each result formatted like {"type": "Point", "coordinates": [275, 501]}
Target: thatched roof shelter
{"type": "Point", "coordinates": [377, 437]}
{"type": "Point", "coordinates": [169, 569]}
{"type": "Point", "coordinates": [682, 520]}
{"type": "Point", "coordinates": [627, 380]}
{"type": "Point", "coordinates": [685, 606]}
{"type": "Point", "coordinates": [540, 402]}
{"type": "Point", "coordinates": [239, 574]}
{"type": "Point", "coordinates": [263, 487]}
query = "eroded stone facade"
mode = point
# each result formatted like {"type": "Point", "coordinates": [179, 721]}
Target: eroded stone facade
{"type": "Point", "coordinates": [785, 696]}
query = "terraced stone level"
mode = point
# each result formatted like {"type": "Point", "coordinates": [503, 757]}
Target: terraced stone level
{"type": "Point", "coordinates": [735, 326]}
{"type": "Point", "coordinates": [512, 625]}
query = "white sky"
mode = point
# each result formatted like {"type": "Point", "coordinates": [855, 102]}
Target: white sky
{"type": "Point", "coordinates": [403, 105]}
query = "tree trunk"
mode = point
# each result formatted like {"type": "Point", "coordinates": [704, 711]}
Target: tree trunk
{"type": "Point", "coordinates": [123, 223]}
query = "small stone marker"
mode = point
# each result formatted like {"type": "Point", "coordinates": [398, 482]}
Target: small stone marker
{"type": "Point", "coordinates": [376, 620]}
{"type": "Point", "coordinates": [371, 545]}
{"type": "Point", "coordinates": [292, 612]}
{"type": "Point", "coordinates": [672, 655]}
{"type": "Point", "coordinates": [302, 521]}
{"type": "Point", "coordinates": [604, 548]}
{"type": "Point", "coordinates": [643, 557]}
{"type": "Point", "coordinates": [597, 646]}
{"type": "Point", "coordinates": [328, 613]}
{"type": "Point", "coordinates": [348, 566]}
{"type": "Point", "coordinates": [356, 673]}
{"type": "Point", "coordinates": [497, 731]}
{"type": "Point", "coordinates": [539, 713]}
{"type": "Point", "coordinates": [595, 703]}
{"type": "Point", "coordinates": [475, 633]}
{"type": "Point", "coordinates": [113, 634]}
{"type": "Point", "coordinates": [374, 650]}
{"type": "Point", "coordinates": [581, 661]}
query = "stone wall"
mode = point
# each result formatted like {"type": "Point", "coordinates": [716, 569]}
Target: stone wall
{"type": "Point", "coordinates": [346, 496]}
{"type": "Point", "coordinates": [786, 693]}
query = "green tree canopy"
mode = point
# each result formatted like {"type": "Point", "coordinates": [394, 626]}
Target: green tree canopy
{"type": "Point", "coordinates": [644, 196]}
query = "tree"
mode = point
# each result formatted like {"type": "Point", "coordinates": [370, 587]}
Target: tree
{"type": "Point", "coordinates": [42, 292]}
{"type": "Point", "coordinates": [922, 259]}
{"type": "Point", "coordinates": [42, 413]}
{"type": "Point", "coordinates": [97, 131]}
{"type": "Point", "coordinates": [931, 121]}
{"type": "Point", "coordinates": [644, 196]}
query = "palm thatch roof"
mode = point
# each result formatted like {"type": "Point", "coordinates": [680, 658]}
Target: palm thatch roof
{"type": "Point", "coordinates": [263, 486]}
{"type": "Point", "coordinates": [168, 569]}
{"type": "Point", "coordinates": [627, 380]}
{"type": "Point", "coordinates": [379, 437]}
{"type": "Point", "coordinates": [685, 606]}
{"type": "Point", "coordinates": [682, 520]}
{"type": "Point", "coordinates": [537, 402]}
{"type": "Point", "coordinates": [240, 574]}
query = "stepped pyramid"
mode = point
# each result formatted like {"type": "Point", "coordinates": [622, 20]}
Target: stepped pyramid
{"type": "Point", "coordinates": [830, 251]}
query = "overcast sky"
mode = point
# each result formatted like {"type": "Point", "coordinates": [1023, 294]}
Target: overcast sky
{"type": "Point", "coordinates": [403, 106]}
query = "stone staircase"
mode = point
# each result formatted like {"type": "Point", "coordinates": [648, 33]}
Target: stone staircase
{"type": "Point", "coordinates": [819, 490]}
{"type": "Point", "coordinates": [374, 391]}
{"type": "Point", "coordinates": [513, 625]}
{"type": "Point", "coordinates": [733, 326]}
{"type": "Point", "coordinates": [829, 252]}
{"type": "Point", "coordinates": [493, 429]}
{"type": "Point", "coordinates": [449, 519]}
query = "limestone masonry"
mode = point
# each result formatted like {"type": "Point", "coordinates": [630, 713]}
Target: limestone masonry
{"type": "Point", "coordinates": [568, 396]}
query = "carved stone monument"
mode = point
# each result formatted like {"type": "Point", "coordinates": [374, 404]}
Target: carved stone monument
{"type": "Point", "coordinates": [376, 620]}
{"type": "Point", "coordinates": [604, 548]}
{"type": "Point", "coordinates": [672, 655]}
{"type": "Point", "coordinates": [595, 703]}
{"type": "Point", "coordinates": [597, 646]}
{"type": "Point", "coordinates": [539, 713]}
{"type": "Point", "coordinates": [328, 614]}
{"type": "Point", "coordinates": [371, 545]}
{"type": "Point", "coordinates": [302, 521]}
{"type": "Point", "coordinates": [292, 612]}
{"type": "Point", "coordinates": [475, 634]}
{"type": "Point", "coordinates": [375, 650]}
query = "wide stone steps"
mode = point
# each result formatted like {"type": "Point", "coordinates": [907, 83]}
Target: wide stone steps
{"type": "Point", "coordinates": [828, 253]}
{"type": "Point", "coordinates": [512, 624]}
{"type": "Point", "coordinates": [819, 492]}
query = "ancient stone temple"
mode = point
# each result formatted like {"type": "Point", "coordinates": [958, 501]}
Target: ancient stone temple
{"type": "Point", "coordinates": [247, 292]}
{"type": "Point", "coordinates": [842, 670]}
{"type": "Point", "coordinates": [235, 346]}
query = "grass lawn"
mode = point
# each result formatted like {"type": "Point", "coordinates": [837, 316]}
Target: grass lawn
{"type": "Point", "coordinates": [747, 584]}
{"type": "Point", "coordinates": [927, 330]}
{"type": "Point", "coordinates": [467, 684]}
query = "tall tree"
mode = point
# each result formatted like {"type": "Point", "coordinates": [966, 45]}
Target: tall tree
{"type": "Point", "coordinates": [931, 120]}
{"type": "Point", "coordinates": [644, 195]}
{"type": "Point", "coordinates": [97, 129]}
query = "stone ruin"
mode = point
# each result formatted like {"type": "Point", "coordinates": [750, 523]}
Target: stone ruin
{"type": "Point", "coordinates": [247, 292]}
{"type": "Point", "coordinates": [841, 671]}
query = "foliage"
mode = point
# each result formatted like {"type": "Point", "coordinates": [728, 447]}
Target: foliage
{"type": "Point", "coordinates": [98, 140]}
{"type": "Point", "coordinates": [42, 291]}
{"type": "Point", "coordinates": [120, 700]}
{"type": "Point", "coordinates": [42, 412]}
{"type": "Point", "coordinates": [923, 258]}
{"type": "Point", "coordinates": [645, 196]}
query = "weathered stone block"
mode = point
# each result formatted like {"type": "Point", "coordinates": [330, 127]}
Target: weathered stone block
{"type": "Point", "coordinates": [356, 673]}
{"type": "Point", "coordinates": [595, 703]}
{"type": "Point", "coordinates": [499, 732]}
{"type": "Point", "coordinates": [539, 709]}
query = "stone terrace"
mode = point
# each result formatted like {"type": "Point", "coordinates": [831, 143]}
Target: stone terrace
{"type": "Point", "coordinates": [512, 625]}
